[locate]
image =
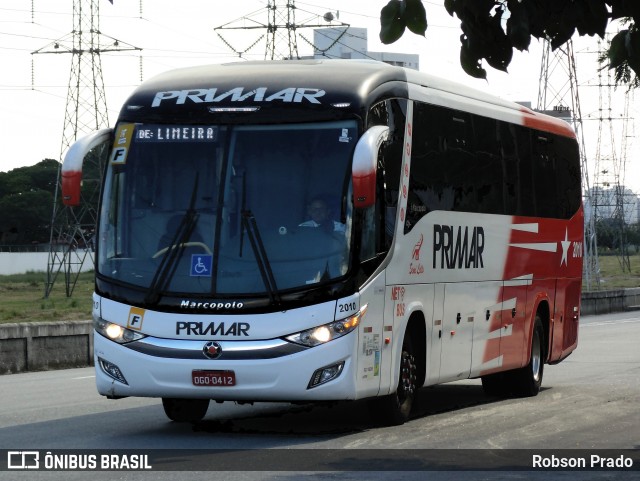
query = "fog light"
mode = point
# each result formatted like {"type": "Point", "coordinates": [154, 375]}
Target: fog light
{"type": "Point", "coordinates": [111, 370]}
{"type": "Point", "coordinates": [325, 374]}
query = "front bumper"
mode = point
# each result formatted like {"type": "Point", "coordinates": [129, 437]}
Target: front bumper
{"type": "Point", "coordinates": [272, 370]}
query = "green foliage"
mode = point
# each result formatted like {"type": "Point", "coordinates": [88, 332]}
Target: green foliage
{"type": "Point", "coordinates": [398, 15]}
{"type": "Point", "coordinates": [26, 203]}
{"type": "Point", "coordinates": [491, 29]}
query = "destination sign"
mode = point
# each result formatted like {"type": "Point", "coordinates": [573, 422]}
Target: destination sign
{"type": "Point", "coordinates": [176, 133]}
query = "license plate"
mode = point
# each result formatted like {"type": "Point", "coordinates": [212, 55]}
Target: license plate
{"type": "Point", "coordinates": [213, 378]}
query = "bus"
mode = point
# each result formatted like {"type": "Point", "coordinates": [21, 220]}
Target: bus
{"type": "Point", "coordinates": [329, 230]}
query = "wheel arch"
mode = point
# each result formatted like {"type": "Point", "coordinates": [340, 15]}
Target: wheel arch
{"type": "Point", "coordinates": [417, 329]}
{"type": "Point", "coordinates": [542, 309]}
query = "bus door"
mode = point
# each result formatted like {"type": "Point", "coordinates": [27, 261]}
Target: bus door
{"type": "Point", "coordinates": [571, 305]}
{"type": "Point", "coordinates": [564, 328]}
{"type": "Point", "coordinates": [434, 351]}
{"type": "Point", "coordinates": [371, 347]}
{"type": "Point", "coordinates": [465, 329]}
{"type": "Point", "coordinates": [514, 328]}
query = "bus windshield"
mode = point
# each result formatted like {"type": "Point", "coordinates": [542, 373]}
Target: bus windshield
{"type": "Point", "coordinates": [228, 210]}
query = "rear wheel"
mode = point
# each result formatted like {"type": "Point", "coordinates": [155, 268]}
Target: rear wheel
{"type": "Point", "coordinates": [527, 380]}
{"type": "Point", "coordinates": [395, 408]}
{"type": "Point", "coordinates": [185, 410]}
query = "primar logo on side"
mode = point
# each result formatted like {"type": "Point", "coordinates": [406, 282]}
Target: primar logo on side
{"type": "Point", "coordinates": [194, 328]}
{"type": "Point", "coordinates": [459, 248]}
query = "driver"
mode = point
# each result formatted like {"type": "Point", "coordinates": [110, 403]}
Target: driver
{"type": "Point", "coordinates": [318, 211]}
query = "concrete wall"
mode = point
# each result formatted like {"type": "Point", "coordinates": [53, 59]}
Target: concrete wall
{"type": "Point", "coordinates": [37, 346]}
{"type": "Point", "coordinates": [23, 262]}
{"type": "Point", "coordinates": [603, 302]}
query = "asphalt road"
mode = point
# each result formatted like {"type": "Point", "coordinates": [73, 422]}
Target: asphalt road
{"type": "Point", "coordinates": [589, 402]}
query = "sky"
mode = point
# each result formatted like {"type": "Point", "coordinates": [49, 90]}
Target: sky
{"type": "Point", "coordinates": [172, 34]}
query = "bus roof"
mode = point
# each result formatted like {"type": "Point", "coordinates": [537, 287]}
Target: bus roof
{"type": "Point", "coordinates": [327, 88]}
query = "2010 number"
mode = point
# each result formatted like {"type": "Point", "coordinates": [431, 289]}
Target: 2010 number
{"type": "Point", "coordinates": [348, 307]}
{"type": "Point", "coordinates": [577, 249]}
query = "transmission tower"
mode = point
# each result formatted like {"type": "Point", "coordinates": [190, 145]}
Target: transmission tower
{"type": "Point", "coordinates": [73, 229]}
{"type": "Point", "coordinates": [609, 190]}
{"type": "Point", "coordinates": [558, 92]}
{"type": "Point", "coordinates": [280, 31]}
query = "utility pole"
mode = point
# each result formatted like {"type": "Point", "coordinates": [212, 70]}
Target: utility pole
{"type": "Point", "coordinates": [558, 91]}
{"type": "Point", "coordinates": [72, 229]}
{"type": "Point", "coordinates": [610, 162]}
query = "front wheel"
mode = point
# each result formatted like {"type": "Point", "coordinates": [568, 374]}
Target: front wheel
{"type": "Point", "coordinates": [528, 379]}
{"type": "Point", "coordinates": [185, 410]}
{"type": "Point", "coordinates": [496, 385]}
{"type": "Point", "coordinates": [394, 409]}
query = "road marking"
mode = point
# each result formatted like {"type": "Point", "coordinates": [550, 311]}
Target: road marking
{"type": "Point", "coordinates": [606, 323]}
{"type": "Point", "coordinates": [83, 377]}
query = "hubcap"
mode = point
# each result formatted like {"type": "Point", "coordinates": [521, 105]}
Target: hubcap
{"type": "Point", "coordinates": [407, 376]}
{"type": "Point", "coordinates": [535, 358]}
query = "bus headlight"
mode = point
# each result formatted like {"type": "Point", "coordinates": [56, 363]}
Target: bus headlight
{"type": "Point", "coordinates": [327, 332]}
{"type": "Point", "coordinates": [114, 332]}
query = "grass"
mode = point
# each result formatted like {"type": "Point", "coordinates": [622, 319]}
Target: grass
{"type": "Point", "coordinates": [22, 299]}
{"type": "Point", "coordinates": [612, 275]}
{"type": "Point", "coordinates": [22, 295]}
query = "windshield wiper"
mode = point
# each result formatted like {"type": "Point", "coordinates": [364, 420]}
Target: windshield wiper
{"type": "Point", "coordinates": [168, 263]}
{"type": "Point", "coordinates": [251, 227]}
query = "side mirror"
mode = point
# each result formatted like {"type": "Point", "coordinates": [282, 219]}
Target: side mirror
{"type": "Point", "coordinates": [363, 169]}
{"type": "Point", "coordinates": [71, 171]}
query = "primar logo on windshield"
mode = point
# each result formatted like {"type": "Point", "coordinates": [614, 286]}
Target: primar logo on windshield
{"type": "Point", "coordinates": [237, 94]}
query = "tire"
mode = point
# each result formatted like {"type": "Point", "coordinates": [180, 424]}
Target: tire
{"type": "Point", "coordinates": [527, 380]}
{"type": "Point", "coordinates": [496, 385]}
{"type": "Point", "coordinates": [185, 410]}
{"type": "Point", "coordinates": [394, 409]}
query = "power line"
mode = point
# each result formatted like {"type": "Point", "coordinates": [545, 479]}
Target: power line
{"type": "Point", "coordinates": [280, 29]}
{"type": "Point", "coordinates": [86, 110]}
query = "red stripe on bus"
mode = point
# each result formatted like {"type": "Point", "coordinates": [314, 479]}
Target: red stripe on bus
{"type": "Point", "coordinates": [546, 123]}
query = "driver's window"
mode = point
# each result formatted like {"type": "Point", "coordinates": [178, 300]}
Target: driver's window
{"type": "Point", "coordinates": [379, 221]}
{"type": "Point", "coordinates": [369, 229]}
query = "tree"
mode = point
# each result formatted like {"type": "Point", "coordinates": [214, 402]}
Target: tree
{"type": "Point", "coordinates": [26, 203]}
{"type": "Point", "coordinates": [25, 217]}
{"type": "Point", "coordinates": [491, 29]}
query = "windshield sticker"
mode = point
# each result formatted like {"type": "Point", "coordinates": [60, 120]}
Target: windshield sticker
{"type": "Point", "coordinates": [345, 136]}
{"type": "Point", "coordinates": [201, 265]}
{"type": "Point", "coordinates": [121, 144]}
{"type": "Point", "coordinates": [136, 316]}
{"type": "Point", "coordinates": [176, 133]}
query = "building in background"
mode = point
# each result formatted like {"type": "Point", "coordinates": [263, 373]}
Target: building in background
{"type": "Point", "coordinates": [352, 43]}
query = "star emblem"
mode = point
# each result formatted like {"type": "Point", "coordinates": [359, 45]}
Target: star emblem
{"type": "Point", "coordinates": [566, 243]}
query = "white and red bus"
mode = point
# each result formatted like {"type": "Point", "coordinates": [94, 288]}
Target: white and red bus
{"type": "Point", "coordinates": [313, 231]}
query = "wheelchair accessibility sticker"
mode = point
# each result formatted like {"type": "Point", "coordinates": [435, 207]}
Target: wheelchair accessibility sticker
{"type": "Point", "coordinates": [201, 265]}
